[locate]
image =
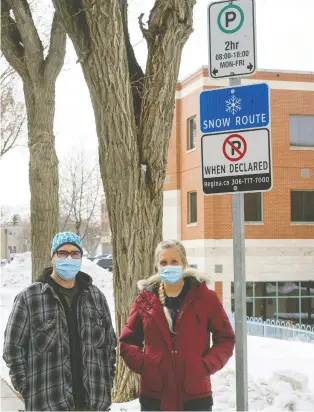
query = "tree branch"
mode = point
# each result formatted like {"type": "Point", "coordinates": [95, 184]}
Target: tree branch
{"type": "Point", "coordinates": [72, 14]}
{"type": "Point", "coordinates": [144, 31]}
{"type": "Point", "coordinates": [104, 65]}
{"type": "Point", "coordinates": [9, 142]}
{"type": "Point", "coordinates": [7, 74]}
{"type": "Point", "coordinates": [12, 111]}
{"type": "Point", "coordinates": [91, 214]}
{"type": "Point", "coordinates": [34, 52]}
{"type": "Point", "coordinates": [169, 26]}
{"type": "Point", "coordinates": [11, 41]}
{"type": "Point", "coordinates": [135, 70]}
{"type": "Point", "coordinates": [55, 58]}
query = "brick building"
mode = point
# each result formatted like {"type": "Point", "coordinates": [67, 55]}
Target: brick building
{"type": "Point", "coordinates": [279, 225]}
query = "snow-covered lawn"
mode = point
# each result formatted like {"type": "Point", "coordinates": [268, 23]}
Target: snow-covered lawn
{"type": "Point", "coordinates": [281, 373]}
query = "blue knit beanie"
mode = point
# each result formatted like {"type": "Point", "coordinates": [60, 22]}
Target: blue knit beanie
{"type": "Point", "coordinates": [66, 238]}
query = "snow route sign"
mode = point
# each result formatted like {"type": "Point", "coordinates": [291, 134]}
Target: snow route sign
{"type": "Point", "coordinates": [234, 108]}
{"type": "Point", "coordinates": [236, 141]}
{"type": "Point", "coordinates": [232, 40]}
{"type": "Point", "coordinates": [236, 162]}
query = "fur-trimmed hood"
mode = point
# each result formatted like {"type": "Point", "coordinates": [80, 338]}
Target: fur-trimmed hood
{"type": "Point", "coordinates": [188, 273]}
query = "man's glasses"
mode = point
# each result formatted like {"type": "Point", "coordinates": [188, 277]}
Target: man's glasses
{"type": "Point", "coordinates": [63, 254]}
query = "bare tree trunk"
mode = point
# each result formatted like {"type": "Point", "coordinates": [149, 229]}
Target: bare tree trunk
{"type": "Point", "coordinates": [43, 173]}
{"type": "Point", "coordinates": [135, 213]}
{"type": "Point", "coordinates": [134, 240]}
{"type": "Point", "coordinates": [22, 47]}
{"type": "Point", "coordinates": [133, 116]}
{"type": "Point", "coordinates": [126, 383]}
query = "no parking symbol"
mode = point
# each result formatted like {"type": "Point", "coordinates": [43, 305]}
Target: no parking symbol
{"type": "Point", "coordinates": [234, 147]}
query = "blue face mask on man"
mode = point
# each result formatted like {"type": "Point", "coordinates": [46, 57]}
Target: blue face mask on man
{"type": "Point", "coordinates": [171, 274]}
{"type": "Point", "coordinates": [68, 268]}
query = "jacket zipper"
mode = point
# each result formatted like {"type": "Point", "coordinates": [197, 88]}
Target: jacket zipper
{"type": "Point", "coordinates": [174, 351]}
{"type": "Point", "coordinates": [186, 303]}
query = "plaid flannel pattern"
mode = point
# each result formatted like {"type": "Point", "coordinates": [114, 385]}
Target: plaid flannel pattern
{"type": "Point", "coordinates": [37, 352]}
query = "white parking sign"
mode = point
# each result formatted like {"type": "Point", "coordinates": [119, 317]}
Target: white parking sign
{"type": "Point", "coordinates": [231, 38]}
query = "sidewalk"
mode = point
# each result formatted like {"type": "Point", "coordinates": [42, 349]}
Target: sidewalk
{"type": "Point", "coordinates": [9, 400]}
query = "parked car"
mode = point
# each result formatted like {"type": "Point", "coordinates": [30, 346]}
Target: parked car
{"type": "Point", "coordinates": [98, 257]}
{"type": "Point", "coordinates": [105, 263]}
{"type": "Point", "coordinates": [102, 257]}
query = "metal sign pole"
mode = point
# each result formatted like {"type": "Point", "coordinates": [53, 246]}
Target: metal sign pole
{"type": "Point", "coordinates": [229, 142]}
{"type": "Point", "coordinates": [240, 293]}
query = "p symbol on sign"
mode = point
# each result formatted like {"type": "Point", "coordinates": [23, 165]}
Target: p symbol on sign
{"type": "Point", "coordinates": [237, 144]}
{"type": "Point", "coordinates": [234, 147]}
{"type": "Point", "coordinates": [230, 17]}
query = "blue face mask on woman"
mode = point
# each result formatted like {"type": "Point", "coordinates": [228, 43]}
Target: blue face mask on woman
{"type": "Point", "coordinates": [171, 274]}
{"type": "Point", "coordinates": [68, 268]}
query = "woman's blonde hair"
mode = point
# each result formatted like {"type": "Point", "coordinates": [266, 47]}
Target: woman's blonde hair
{"type": "Point", "coordinates": [168, 244]}
{"type": "Point", "coordinates": [171, 244]}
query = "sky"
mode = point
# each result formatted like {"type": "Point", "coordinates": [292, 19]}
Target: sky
{"type": "Point", "coordinates": [285, 33]}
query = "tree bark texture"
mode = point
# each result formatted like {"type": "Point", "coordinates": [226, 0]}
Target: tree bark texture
{"type": "Point", "coordinates": [43, 173]}
{"type": "Point", "coordinates": [23, 49]}
{"type": "Point", "coordinates": [133, 136]}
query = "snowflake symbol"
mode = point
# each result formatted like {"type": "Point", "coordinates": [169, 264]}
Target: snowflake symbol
{"type": "Point", "coordinates": [233, 105]}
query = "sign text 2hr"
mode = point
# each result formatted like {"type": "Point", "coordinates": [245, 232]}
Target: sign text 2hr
{"type": "Point", "coordinates": [231, 38]}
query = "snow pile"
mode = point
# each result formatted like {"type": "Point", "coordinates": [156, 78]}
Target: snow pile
{"type": "Point", "coordinates": [281, 373]}
{"type": "Point", "coordinates": [17, 274]}
{"type": "Point", "coordinates": [102, 278]}
{"type": "Point", "coordinates": [275, 393]}
{"type": "Point", "coordinates": [284, 391]}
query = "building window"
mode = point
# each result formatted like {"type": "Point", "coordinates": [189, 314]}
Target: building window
{"type": "Point", "coordinates": [192, 207]}
{"type": "Point", "coordinates": [280, 301]}
{"type": "Point", "coordinates": [302, 131]}
{"type": "Point", "coordinates": [302, 206]}
{"type": "Point", "coordinates": [192, 133]}
{"type": "Point", "coordinates": [253, 207]}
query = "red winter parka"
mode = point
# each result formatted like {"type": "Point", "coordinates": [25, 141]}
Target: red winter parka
{"type": "Point", "coordinates": [177, 367]}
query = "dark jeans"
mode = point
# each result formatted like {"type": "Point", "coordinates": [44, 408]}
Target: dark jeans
{"type": "Point", "coordinates": [151, 404]}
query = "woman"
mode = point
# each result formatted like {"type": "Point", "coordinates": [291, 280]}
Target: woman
{"type": "Point", "coordinates": [166, 339]}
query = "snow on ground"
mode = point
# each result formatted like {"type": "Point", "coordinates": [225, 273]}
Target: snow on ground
{"type": "Point", "coordinates": [281, 373]}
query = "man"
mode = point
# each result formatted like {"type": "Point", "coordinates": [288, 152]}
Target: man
{"type": "Point", "coordinates": [59, 341]}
